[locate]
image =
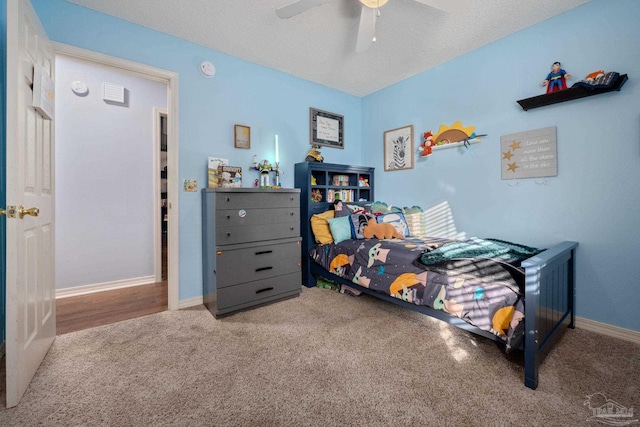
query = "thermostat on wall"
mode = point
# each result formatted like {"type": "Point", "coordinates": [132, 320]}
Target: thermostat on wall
{"type": "Point", "coordinates": [207, 68]}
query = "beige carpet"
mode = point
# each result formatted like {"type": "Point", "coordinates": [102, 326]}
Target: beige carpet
{"type": "Point", "coordinates": [323, 359]}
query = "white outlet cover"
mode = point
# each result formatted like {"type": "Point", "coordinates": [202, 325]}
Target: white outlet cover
{"type": "Point", "coordinates": [207, 69]}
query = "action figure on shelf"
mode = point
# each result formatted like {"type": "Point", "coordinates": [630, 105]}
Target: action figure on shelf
{"type": "Point", "coordinates": [426, 148]}
{"type": "Point", "coordinates": [264, 168]}
{"type": "Point", "coordinates": [556, 79]}
{"type": "Point", "coordinates": [313, 155]}
{"type": "Point", "coordinates": [316, 196]}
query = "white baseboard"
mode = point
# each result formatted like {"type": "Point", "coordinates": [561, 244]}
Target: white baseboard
{"type": "Point", "coordinates": [609, 330]}
{"type": "Point", "coordinates": [191, 302]}
{"type": "Point", "coordinates": [106, 286]}
{"type": "Point", "coordinates": [119, 284]}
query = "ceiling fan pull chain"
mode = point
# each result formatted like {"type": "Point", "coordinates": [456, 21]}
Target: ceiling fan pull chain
{"type": "Point", "coordinates": [374, 25]}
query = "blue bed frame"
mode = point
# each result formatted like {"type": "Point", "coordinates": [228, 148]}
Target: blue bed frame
{"type": "Point", "coordinates": [549, 295]}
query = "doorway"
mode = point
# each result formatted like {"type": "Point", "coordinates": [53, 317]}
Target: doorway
{"type": "Point", "coordinates": [166, 218]}
{"type": "Point", "coordinates": [160, 125]}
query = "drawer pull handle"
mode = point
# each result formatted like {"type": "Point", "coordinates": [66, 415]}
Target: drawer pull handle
{"type": "Point", "coordinates": [292, 213]}
{"type": "Point", "coordinates": [228, 234]}
{"type": "Point", "coordinates": [263, 269]}
{"type": "Point", "coordinates": [228, 216]}
{"type": "Point", "coordinates": [228, 199]}
{"type": "Point", "coordinates": [291, 228]}
{"type": "Point", "coordinates": [264, 252]}
{"type": "Point", "coordinates": [265, 290]}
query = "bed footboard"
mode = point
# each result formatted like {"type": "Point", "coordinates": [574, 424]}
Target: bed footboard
{"type": "Point", "coordinates": [549, 303]}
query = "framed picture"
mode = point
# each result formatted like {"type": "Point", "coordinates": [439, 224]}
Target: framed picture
{"type": "Point", "coordinates": [242, 136]}
{"type": "Point", "coordinates": [326, 128]}
{"type": "Point", "coordinates": [398, 149]}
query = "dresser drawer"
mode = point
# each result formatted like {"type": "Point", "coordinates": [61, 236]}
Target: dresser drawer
{"type": "Point", "coordinates": [252, 263]}
{"type": "Point", "coordinates": [256, 232]}
{"type": "Point", "coordinates": [248, 294]}
{"type": "Point", "coordinates": [258, 200]}
{"type": "Point", "coordinates": [256, 216]}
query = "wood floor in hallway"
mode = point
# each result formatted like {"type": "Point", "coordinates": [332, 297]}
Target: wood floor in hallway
{"type": "Point", "coordinates": [101, 308]}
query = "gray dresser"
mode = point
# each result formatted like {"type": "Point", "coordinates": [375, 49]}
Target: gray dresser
{"type": "Point", "coordinates": [250, 246]}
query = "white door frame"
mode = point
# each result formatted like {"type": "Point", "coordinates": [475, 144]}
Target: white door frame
{"type": "Point", "coordinates": [171, 79]}
{"type": "Point", "coordinates": [157, 199]}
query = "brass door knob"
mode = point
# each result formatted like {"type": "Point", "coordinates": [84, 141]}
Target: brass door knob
{"type": "Point", "coordinates": [31, 211]}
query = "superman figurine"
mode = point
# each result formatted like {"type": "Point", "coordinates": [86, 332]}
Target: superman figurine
{"type": "Point", "coordinates": [556, 79]}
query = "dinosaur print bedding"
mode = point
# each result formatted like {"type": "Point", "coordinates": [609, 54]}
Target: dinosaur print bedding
{"type": "Point", "coordinates": [483, 289]}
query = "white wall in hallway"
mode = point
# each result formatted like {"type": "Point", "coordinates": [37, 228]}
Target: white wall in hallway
{"type": "Point", "coordinates": [104, 176]}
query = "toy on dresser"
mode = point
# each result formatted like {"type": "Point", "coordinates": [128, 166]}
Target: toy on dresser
{"type": "Point", "coordinates": [265, 167]}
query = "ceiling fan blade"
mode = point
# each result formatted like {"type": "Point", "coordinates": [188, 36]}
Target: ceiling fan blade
{"type": "Point", "coordinates": [366, 29]}
{"type": "Point", "coordinates": [297, 7]}
{"type": "Point", "coordinates": [449, 6]}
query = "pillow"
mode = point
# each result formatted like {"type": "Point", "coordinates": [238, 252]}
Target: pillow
{"type": "Point", "coordinates": [397, 220]}
{"type": "Point", "coordinates": [417, 224]}
{"type": "Point", "coordinates": [344, 211]}
{"type": "Point", "coordinates": [320, 227]}
{"type": "Point", "coordinates": [356, 209]}
{"type": "Point", "coordinates": [340, 228]}
{"type": "Point", "coordinates": [379, 207]}
{"type": "Point", "coordinates": [416, 220]}
{"type": "Point", "coordinates": [383, 208]}
{"type": "Point", "coordinates": [358, 223]}
{"type": "Point", "coordinates": [411, 210]}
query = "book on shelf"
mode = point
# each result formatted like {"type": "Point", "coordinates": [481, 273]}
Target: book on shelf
{"type": "Point", "coordinates": [214, 178]}
{"type": "Point", "coordinates": [344, 195]}
{"type": "Point", "coordinates": [341, 180]}
{"type": "Point", "coordinates": [230, 176]}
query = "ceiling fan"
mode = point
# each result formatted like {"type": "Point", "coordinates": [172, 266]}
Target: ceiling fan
{"type": "Point", "coordinates": [368, 15]}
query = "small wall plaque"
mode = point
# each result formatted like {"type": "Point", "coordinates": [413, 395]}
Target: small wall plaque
{"type": "Point", "coordinates": [43, 92]}
{"type": "Point", "coordinates": [242, 136]}
{"type": "Point", "coordinates": [530, 154]}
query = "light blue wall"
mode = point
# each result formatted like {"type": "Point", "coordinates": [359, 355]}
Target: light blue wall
{"type": "Point", "coordinates": [595, 199]}
{"type": "Point", "coordinates": [269, 101]}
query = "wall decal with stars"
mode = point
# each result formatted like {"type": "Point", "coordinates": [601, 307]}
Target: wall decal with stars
{"type": "Point", "coordinates": [529, 154]}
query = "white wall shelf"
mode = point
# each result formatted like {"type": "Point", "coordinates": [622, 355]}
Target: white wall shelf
{"type": "Point", "coordinates": [455, 144]}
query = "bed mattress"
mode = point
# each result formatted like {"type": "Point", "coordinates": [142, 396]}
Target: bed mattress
{"type": "Point", "coordinates": [476, 279]}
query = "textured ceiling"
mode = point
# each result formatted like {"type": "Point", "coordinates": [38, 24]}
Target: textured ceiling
{"type": "Point", "coordinates": [319, 44]}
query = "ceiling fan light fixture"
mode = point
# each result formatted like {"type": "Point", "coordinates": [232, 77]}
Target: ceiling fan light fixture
{"type": "Point", "coordinates": [373, 4]}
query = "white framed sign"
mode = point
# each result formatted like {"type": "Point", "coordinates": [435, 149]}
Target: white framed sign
{"type": "Point", "coordinates": [530, 154]}
{"type": "Point", "coordinates": [43, 92]}
{"type": "Point", "coordinates": [326, 128]}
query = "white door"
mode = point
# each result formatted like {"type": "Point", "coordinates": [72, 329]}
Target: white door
{"type": "Point", "coordinates": [31, 314]}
